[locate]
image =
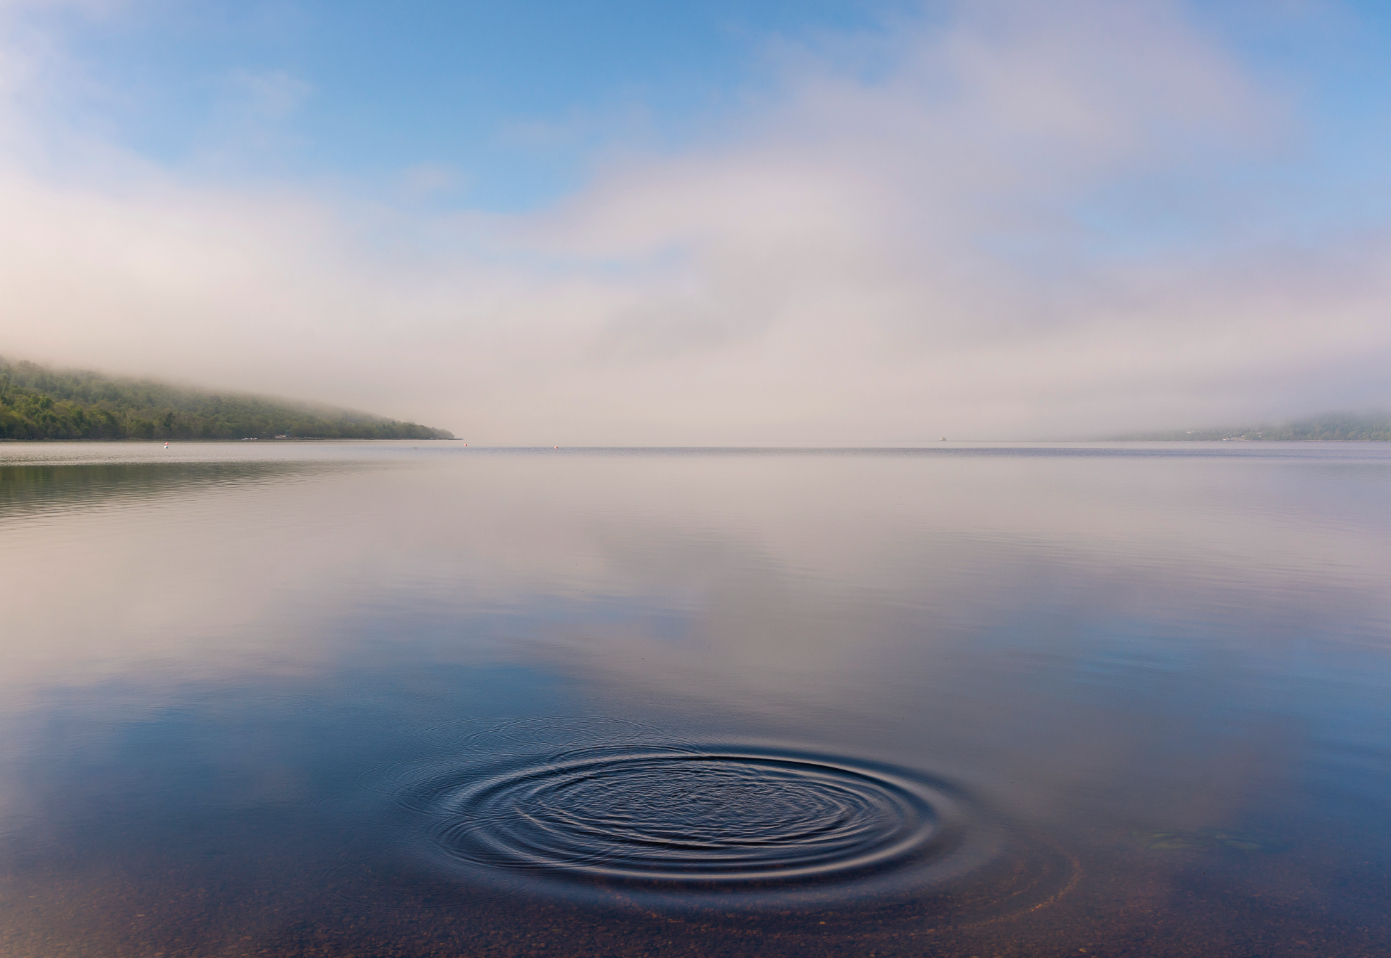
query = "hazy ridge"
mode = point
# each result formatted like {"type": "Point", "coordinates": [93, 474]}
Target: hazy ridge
{"type": "Point", "coordinates": [41, 403]}
{"type": "Point", "coordinates": [1345, 426]}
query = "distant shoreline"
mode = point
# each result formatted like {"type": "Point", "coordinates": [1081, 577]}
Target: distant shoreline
{"type": "Point", "coordinates": [248, 439]}
{"type": "Point", "coordinates": [1326, 427]}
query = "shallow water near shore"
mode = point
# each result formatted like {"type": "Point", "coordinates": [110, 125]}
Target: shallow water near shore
{"type": "Point", "coordinates": [424, 699]}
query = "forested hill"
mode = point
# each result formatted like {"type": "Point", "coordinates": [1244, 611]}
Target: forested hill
{"type": "Point", "coordinates": [41, 403]}
{"type": "Point", "coordinates": [1330, 426]}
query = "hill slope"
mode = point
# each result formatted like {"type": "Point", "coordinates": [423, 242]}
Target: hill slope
{"type": "Point", "coordinates": [1328, 426]}
{"type": "Point", "coordinates": [40, 403]}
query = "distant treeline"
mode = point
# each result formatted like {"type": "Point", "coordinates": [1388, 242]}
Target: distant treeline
{"type": "Point", "coordinates": [40, 403]}
{"type": "Point", "coordinates": [1346, 426]}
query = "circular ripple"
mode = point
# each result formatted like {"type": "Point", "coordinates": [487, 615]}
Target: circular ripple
{"type": "Point", "coordinates": [694, 817]}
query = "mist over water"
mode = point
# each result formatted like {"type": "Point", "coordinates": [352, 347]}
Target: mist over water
{"type": "Point", "coordinates": [422, 699]}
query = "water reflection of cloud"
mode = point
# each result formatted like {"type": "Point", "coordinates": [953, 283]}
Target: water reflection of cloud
{"type": "Point", "coordinates": [833, 556]}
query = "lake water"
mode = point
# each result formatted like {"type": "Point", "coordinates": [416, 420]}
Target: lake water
{"type": "Point", "coordinates": [423, 699]}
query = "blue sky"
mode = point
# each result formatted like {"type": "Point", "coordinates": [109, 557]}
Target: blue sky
{"type": "Point", "coordinates": [755, 221]}
{"type": "Point", "coordinates": [515, 99]}
{"type": "Point", "coordinates": [515, 102]}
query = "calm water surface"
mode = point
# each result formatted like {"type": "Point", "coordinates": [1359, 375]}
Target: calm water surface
{"type": "Point", "coordinates": [421, 699]}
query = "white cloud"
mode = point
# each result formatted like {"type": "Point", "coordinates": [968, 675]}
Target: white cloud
{"type": "Point", "coordinates": [890, 258]}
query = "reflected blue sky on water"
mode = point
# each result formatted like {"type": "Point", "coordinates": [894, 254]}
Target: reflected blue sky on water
{"type": "Point", "coordinates": [1163, 669]}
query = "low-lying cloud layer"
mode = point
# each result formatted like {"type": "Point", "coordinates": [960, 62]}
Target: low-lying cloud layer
{"type": "Point", "coordinates": [1023, 220]}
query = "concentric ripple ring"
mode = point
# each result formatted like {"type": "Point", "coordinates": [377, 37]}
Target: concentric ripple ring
{"type": "Point", "coordinates": [690, 817]}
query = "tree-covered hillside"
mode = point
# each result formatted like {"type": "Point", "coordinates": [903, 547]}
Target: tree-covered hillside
{"type": "Point", "coordinates": [1329, 426]}
{"type": "Point", "coordinates": [40, 403]}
